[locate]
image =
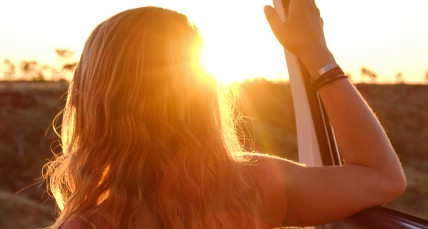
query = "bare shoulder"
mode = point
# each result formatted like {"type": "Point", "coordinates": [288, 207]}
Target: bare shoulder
{"type": "Point", "coordinates": [271, 178]}
{"type": "Point", "coordinates": [272, 169]}
{"type": "Point", "coordinates": [277, 168]}
{"type": "Point", "coordinates": [74, 224]}
{"type": "Point", "coordinates": [83, 223]}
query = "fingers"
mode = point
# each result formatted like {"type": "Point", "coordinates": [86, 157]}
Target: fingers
{"type": "Point", "coordinates": [306, 5]}
{"type": "Point", "coordinates": [314, 7]}
{"type": "Point", "coordinates": [276, 24]}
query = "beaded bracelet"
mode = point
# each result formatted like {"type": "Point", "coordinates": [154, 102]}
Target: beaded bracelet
{"type": "Point", "coordinates": [328, 78]}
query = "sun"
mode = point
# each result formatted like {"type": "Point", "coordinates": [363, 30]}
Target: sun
{"type": "Point", "coordinates": [216, 64]}
{"type": "Point", "coordinates": [238, 42]}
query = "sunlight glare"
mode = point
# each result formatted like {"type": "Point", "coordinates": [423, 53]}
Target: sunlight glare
{"type": "Point", "coordinates": [214, 63]}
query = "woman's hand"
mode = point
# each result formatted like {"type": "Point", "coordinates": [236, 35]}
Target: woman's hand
{"type": "Point", "coordinates": [302, 33]}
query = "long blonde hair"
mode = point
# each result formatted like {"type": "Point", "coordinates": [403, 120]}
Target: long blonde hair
{"type": "Point", "coordinates": [143, 127]}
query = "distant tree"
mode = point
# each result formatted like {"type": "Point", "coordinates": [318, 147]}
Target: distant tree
{"type": "Point", "coordinates": [10, 69]}
{"type": "Point", "coordinates": [32, 70]}
{"type": "Point", "coordinates": [65, 58]}
{"type": "Point", "coordinates": [369, 73]}
{"type": "Point", "coordinates": [28, 66]}
{"type": "Point", "coordinates": [70, 66]}
{"type": "Point", "coordinates": [64, 53]}
{"type": "Point", "coordinates": [399, 78]}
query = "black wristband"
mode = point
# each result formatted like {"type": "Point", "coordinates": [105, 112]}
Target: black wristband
{"type": "Point", "coordinates": [328, 77]}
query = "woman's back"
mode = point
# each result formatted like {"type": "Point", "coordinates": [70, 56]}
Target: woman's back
{"type": "Point", "coordinates": [148, 140]}
{"type": "Point", "coordinates": [272, 207]}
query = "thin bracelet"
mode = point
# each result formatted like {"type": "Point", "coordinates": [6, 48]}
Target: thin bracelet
{"type": "Point", "coordinates": [330, 74]}
{"type": "Point", "coordinates": [329, 81]}
{"type": "Point", "coordinates": [328, 77]}
{"type": "Point", "coordinates": [324, 70]}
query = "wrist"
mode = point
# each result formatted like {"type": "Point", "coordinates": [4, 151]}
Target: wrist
{"type": "Point", "coordinates": [314, 61]}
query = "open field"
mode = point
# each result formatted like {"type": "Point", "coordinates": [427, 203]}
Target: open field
{"type": "Point", "coordinates": [267, 122]}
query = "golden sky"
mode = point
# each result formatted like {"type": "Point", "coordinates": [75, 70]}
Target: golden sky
{"type": "Point", "coordinates": [387, 36]}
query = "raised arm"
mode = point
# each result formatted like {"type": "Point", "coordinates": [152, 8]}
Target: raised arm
{"type": "Point", "coordinates": [372, 174]}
